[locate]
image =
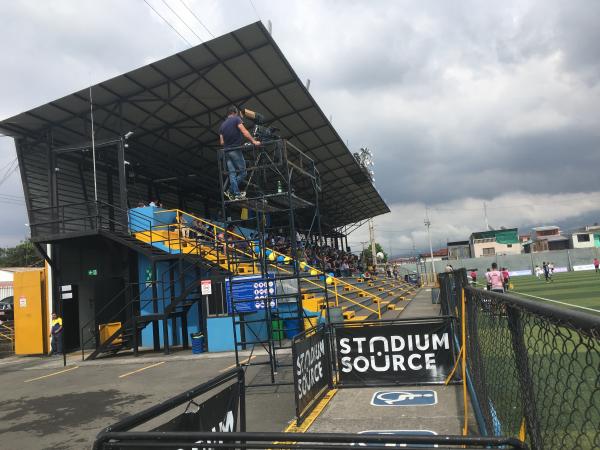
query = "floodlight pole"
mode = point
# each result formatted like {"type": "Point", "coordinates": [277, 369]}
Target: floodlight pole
{"type": "Point", "coordinates": [372, 239]}
{"type": "Point", "coordinates": [428, 224]}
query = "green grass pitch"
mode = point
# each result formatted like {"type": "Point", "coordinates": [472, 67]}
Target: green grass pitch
{"type": "Point", "coordinates": [575, 288]}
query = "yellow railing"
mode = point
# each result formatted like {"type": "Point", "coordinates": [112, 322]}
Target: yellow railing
{"type": "Point", "coordinates": [7, 333]}
{"type": "Point", "coordinates": [216, 230]}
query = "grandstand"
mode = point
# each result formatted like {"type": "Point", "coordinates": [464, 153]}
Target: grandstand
{"type": "Point", "coordinates": [155, 139]}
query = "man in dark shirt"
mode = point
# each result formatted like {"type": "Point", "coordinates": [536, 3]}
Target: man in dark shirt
{"type": "Point", "coordinates": [231, 137]}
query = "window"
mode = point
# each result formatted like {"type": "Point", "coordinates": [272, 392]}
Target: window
{"type": "Point", "coordinates": [509, 245]}
{"type": "Point", "coordinates": [489, 251]}
{"type": "Point", "coordinates": [583, 238]}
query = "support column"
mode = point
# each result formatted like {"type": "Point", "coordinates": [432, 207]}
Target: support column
{"type": "Point", "coordinates": [155, 328]}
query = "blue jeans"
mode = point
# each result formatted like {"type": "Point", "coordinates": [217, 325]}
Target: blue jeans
{"type": "Point", "coordinates": [236, 166]}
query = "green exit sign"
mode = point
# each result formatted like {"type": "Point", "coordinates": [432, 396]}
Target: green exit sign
{"type": "Point", "coordinates": [93, 272]}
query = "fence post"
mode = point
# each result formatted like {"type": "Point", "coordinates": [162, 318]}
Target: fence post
{"type": "Point", "coordinates": [525, 379]}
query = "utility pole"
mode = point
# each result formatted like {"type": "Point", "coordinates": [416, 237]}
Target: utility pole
{"type": "Point", "coordinates": [363, 255]}
{"type": "Point", "coordinates": [372, 239]}
{"type": "Point", "coordinates": [428, 224]}
{"type": "Point", "coordinates": [487, 225]}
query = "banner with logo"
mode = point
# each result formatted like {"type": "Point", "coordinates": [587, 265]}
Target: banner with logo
{"type": "Point", "coordinates": [217, 414]}
{"type": "Point", "coordinates": [395, 353]}
{"type": "Point", "coordinates": [312, 369]}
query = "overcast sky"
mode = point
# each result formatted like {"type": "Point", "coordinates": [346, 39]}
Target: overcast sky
{"type": "Point", "coordinates": [461, 102]}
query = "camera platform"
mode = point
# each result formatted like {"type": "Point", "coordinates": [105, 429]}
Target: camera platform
{"type": "Point", "coordinates": [271, 202]}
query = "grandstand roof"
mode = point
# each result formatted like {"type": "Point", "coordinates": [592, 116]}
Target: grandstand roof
{"type": "Point", "coordinates": [175, 106]}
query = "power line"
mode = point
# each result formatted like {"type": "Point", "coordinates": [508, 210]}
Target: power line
{"type": "Point", "coordinates": [255, 10]}
{"type": "Point", "coordinates": [197, 18]}
{"type": "Point", "coordinates": [183, 21]}
{"type": "Point", "coordinates": [168, 23]}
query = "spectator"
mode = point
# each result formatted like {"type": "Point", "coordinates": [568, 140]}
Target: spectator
{"type": "Point", "coordinates": [596, 265]}
{"type": "Point", "coordinates": [488, 284]}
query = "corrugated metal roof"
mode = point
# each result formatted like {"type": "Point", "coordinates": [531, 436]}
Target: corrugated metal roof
{"type": "Point", "coordinates": [175, 106]}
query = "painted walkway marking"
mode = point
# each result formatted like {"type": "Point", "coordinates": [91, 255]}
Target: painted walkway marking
{"type": "Point", "coordinates": [140, 370]}
{"type": "Point", "coordinates": [308, 421]}
{"type": "Point", "coordinates": [404, 398]}
{"type": "Point", "coordinates": [396, 433]}
{"type": "Point", "coordinates": [51, 374]}
{"type": "Point", "coordinates": [556, 301]}
{"type": "Point", "coordinates": [245, 361]}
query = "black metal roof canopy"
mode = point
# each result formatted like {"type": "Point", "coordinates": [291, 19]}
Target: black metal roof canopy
{"type": "Point", "coordinates": [175, 106]}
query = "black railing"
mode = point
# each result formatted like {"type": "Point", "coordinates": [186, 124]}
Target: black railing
{"type": "Point", "coordinates": [135, 305]}
{"type": "Point", "coordinates": [120, 431]}
{"type": "Point", "coordinates": [535, 368]}
{"type": "Point", "coordinates": [321, 441]}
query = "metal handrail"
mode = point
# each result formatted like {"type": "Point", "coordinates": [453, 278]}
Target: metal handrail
{"type": "Point", "coordinates": [336, 280]}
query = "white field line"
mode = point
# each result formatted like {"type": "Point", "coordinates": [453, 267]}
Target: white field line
{"type": "Point", "coordinates": [556, 301]}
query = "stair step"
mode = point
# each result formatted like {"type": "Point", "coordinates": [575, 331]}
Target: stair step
{"type": "Point", "coordinates": [348, 315]}
{"type": "Point", "coordinates": [357, 319]}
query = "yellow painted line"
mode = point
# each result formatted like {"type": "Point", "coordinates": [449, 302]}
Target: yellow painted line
{"type": "Point", "coordinates": [245, 361]}
{"type": "Point", "coordinates": [140, 370]}
{"type": "Point", "coordinates": [52, 374]}
{"type": "Point", "coordinates": [316, 412]}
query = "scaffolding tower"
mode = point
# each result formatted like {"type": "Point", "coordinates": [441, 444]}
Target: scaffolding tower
{"type": "Point", "coordinates": [265, 286]}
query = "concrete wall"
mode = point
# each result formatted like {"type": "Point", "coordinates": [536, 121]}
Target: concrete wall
{"type": "Point", "coordinates": [566, 259]}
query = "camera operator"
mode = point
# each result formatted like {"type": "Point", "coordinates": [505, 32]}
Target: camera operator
{"type": "Point", "coordinates": [231, 136]}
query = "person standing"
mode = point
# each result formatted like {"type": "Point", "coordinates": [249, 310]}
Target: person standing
{"type": "Point", "coordinates": [56, 334]}
{"type": "Point", "coordinates": [231, 137]}
{"type": "Point", "coordinates": [488, 284]}
{"type": "Point", "coordinates": [474, 277]}
{"type": "Point", "coordinates": [546, 270]}
{"type": "Point", "coordinates": [496, 279]}
{"type": "Point", "coordinates": [506, 277]}
{"type": "Point", "coordinates": [596, 265]}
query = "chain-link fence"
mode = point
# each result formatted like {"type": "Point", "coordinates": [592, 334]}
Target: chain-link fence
{"type": "Point", "coordinates": [534, 368]}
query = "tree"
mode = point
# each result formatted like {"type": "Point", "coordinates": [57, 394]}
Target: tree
{"type": "Point", "coordinates": [24, 254]}
{"type": "Point", "coordinates": [366, 254]}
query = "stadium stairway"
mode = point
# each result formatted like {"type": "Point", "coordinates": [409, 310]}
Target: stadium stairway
{"type": "Point", "coordinates": [209, 244]}
{"type": "Point", "coordinates": [359, 299]}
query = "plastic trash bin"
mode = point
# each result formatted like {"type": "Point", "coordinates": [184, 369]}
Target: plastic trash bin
{"type": "Point", "coordinates": [292, 327]}
{"type": "Point", "coordinates": [197, 343]}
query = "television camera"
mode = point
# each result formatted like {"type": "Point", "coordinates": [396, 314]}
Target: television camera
{"type": "Point", "coordinates": [261, 132]}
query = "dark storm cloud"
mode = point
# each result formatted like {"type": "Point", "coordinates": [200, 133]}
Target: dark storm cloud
{"type": "Point", "coordinates": [458, 100]}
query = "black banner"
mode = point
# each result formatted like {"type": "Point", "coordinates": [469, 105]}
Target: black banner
{"type": "Point", "coordinates": [216, 414]}
{"type": "Point", "coordinates": [312, 369]}
{"type": "Point", "coordinates": [411, 352]}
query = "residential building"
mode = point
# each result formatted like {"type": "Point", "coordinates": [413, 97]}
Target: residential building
{"type": "Point", "coordinates": [459, 250]}
{"type": "Point", "coordinates": [587, 237]}
{"type": "Point", "coordinates": [438, 255]}
{"type": "Point", "coordinates": [546, 238]}
{"type": "Point", "coordinates": [495, 242]}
